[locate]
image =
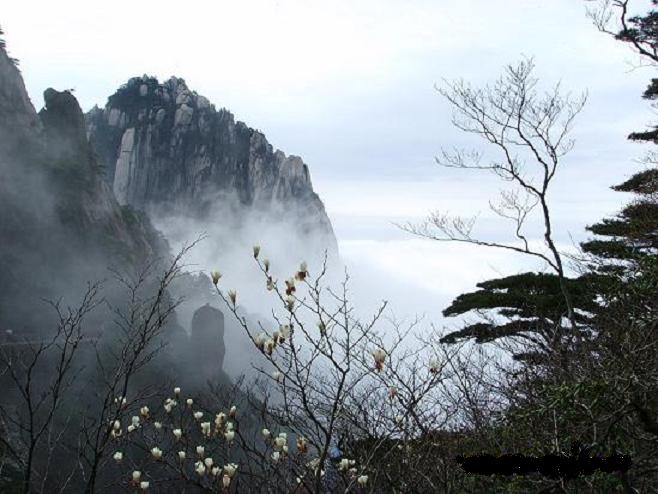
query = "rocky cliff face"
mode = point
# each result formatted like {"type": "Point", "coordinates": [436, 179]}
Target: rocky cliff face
{"type": "Point", "coordinates": [59, 221]}
{"type": "Point", "coordinates": [166, 148]}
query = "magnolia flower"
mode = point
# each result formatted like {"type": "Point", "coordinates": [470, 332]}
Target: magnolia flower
{"type": "Point", "coordinates": [215, 275]}
{"type": "Point", "coordinates": [352, 471]}
{"type": "Point", "coordinates": [229, 435]}
{"type": "Point", "coordinates": [226, 481]}
{"type": "Point", "coordinates": [232, 295]}
{"type": "Point", "coordinates": [181, 455]}
{"type": "Point", "coordinates": [137, 475]}
{"type": "Point", "coordinates": [269, 284]}
{"type": "Point", "coordinates": [275, 456]}
{"type": "Point", "coordinates": [198, 415]}
{"type": "Point", "coordinates": [434, 366]}
{"type": "Point", "coordinates": [157, 425]}
{"type": "Point", "coordinates": [232, 411]}
{"type": "Point", "coordinates": [302, 445]}
{"type": "Point", "coordinates": [200, 467]}
{"type": "Point", "coordinates": [144, 485]}
{"type": "Point", "coordinates": [399, 419]}
{"type": "Point", "coordinates": [215, 471]}
{"type": "Point", "coordinates": [362, 480]}
{"type": "Point", "coordinates": [208, 462]}
{"type": "Point", "coordinates": [279, 442]}
{"type": "Point", "coordinates": [200, 450]}
{"type": "Point", "coordinates": [259, 340]}
{"type": "Point", "coordinates": [275, 335]}
{"type": "Point", "coordinates": [290, 286]}
{"type": "Point", "coordinates": [269, 346]}
{"type": "Point", "coordinates": [266, 433]}
{"type": "Point", "coordinates": [189, 402]}
{"type": "Point", "coordinates": [116, 425]}
{"type": "Point", "coordinates": [144, 411]}
{"type": "Point", "coordinates": [284, 330]}
{"type": "Point", "coordinates": [115, 433]}
{"type": "Point", "coordinates": [135, 421]}
{"type": "Point", "coordinates": [284, 435]}
{"type": "Point", "coordinates": [229, 426]}
{"type": "Point", "coordinates": [177, 433]}
{"type": "Point", "coordinates": [118, 456]}
{"type": "Point", "coordinates": [380, 356]}
{"type": "Point", "coordinates": [290, 302]}
{"type": "Point", "coordinates": [168, 407]}
{"type": "Point", "coordinates": [156, 452]}
{"type": "Point", "coordinates": [256, 251]}
{"type": "Point", "coordinates": [344, 464]}
{"type": "Point", "coordinates": [220, 418]}
{"type": "Point", "coordinates": [392, 392]}
{"type": "Point", "coordinates": [131, 428]}
{"type": "Point", "coordinates": [205, 428]}
{"type": "Point", "coordinates": [120, 400]}
{"type": "Point", "coordinates": [277, 376]}
{"type": "Point", "coordinates": [177, 391]}
{"type": "Point", "coordinates": [230, 469]}
{"type": "Point", "coordinates": [266, 263]}
{"type": "Point", "coordinates": [302, 272]}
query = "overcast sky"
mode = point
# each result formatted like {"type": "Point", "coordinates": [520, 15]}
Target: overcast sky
{"type": "Point", "coordinates": [349, 86]}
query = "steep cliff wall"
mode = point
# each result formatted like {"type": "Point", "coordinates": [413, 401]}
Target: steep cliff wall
{"type": "Point", "coordinates": [59, 221]}
{"type": "Point", "coordinates": [166, 148]}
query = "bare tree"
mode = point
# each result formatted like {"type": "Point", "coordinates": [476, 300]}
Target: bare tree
{"type": "Point", "coordinates": [530, 132]}
{"type": "Point", "coordinates": [40, 373]}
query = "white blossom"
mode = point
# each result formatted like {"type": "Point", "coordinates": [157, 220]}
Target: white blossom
{"type": "Point", "coordinates": [157, 425]}
{"type": "Point", "coordinates": [144, 485]}
{"type": "Point", "coordinates": [380, 356]}
{"type": "Point", "coordinates": [275, 456]}
{"type": "Point", "coordinates": [200, 468]}
{"type": "Point", "coordinates": [116, 425]}
{"type": "Point", "coordinates": [266, 263]}
{"type": "Point", "coordinates": [226, 481]}
{"type": "Point", "coordinates": [362, 480]}
{"type": "Point", "coordinates": [232, 411]}
{"type": "Point", "coordinates": [177, 391]}
{"type": "Point", "coordinates": [215, 471]}
{"type": "Point", "coordinates": [200, 450]}
{"type": "Point", "coordinates": [177, 433]}
{"type": "Point", "coordinates": [189, 402]}
{"type": "Point", "coordinates": [198, 415]}
{"type": "Point", "coordinates": [181, 455]}
{"type": "Point", "coordinates": [137, 475]}
{"type": "Point", "coordinates": [232, 295]}
{"type": "Point", "coordinates": [266, 433]}
{"type": "Point", "coordinates": [277, 376]}
{"type": "Point", "coordinates": [229, 435]}
{"type": "Point", "coordinates": [118, 456]}
{"type": "Point", "coordinates": [215, 275]}
{"type": "Point", "coordinates": [144, 411]}
{"type": "Point", "coordinates": [256, 251]}
{"type": "Point", "coordinates": [208, 462]}
{"type": "Point", "coordinates": [131, 428]}
{"type": "Point", "coordinates": [205, 428]}
{"type": "Point", "coordinates": [156, 452]}
{"type": "Point", "coordinates": [135, 421]}
{"type": "Point", "coordinates": [230, 469]}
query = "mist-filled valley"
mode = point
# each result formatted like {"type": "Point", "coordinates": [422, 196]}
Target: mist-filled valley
{"type": "Point", "coordinates": [185, 307]}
